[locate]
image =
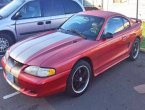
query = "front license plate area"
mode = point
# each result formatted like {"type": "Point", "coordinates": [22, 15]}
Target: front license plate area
{"type": "Point", "coordinates": [10, 77]}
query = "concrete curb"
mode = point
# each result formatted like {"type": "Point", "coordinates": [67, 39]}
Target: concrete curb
{"type": "Point", "coordinates": [142, 50]}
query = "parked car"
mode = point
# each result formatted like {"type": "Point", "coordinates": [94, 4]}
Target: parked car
{"type": "Point", "coordinates": [85, 46]}
{"type": "Point", "coordinates": [91, 8]}
{"type": "Point", "coordinates": [4, 2]}
{"type": "Point", "coordinates": [23, 18]}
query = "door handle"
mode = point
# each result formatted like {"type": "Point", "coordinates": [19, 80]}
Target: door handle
{"type": "Point", "coordinates": [40, 23]}
{"type": "Point", "coordinates": [48, 22]}
{"type": "Point", "coordinates": [124, 37]}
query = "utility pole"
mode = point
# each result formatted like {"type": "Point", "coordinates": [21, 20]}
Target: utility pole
{"type": "Point", "coordinates": [137, 5]}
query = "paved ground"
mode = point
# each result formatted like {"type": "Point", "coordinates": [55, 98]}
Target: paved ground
{"type": "Point", "coordinates": [120, 88]}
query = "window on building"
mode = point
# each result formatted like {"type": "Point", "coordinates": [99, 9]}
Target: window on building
{"type": "Point", "coordinates": [120, 1]}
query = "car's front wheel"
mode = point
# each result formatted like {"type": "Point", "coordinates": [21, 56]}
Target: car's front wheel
{"type": "Point", "coordinates": [79, 79]}
{"type": "Point", "coordinates": [135, 50]}
{"type": "Point", "coordinates": [5, 42]}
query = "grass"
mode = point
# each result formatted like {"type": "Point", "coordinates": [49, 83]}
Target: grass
{"type": "Point", "coordinates": [143, 43]}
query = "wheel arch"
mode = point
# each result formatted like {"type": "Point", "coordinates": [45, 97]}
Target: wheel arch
{"type": "Point", "coordinates": [87, 59]}
{"type": "Point", "coordinates": [140, 38]}
{"type": "Point", "coordinates": [10, 33]}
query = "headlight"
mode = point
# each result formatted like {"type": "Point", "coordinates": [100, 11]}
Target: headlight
{"type": "Point", "coordinates": [40, 72]}
{"type": "Point", "coordinates": [6, 56]}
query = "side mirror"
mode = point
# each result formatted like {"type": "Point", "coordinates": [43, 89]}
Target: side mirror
{"type": "Point", "coordinates": [107, 36]}
{"type": "Point", "coordinates": [17, 16]}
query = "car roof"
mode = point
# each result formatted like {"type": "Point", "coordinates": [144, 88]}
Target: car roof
{"type": "Point", "coordinates": [100, 13]}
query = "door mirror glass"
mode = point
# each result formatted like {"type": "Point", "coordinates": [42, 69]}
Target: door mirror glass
{"type": "Point", "coordinates": [17, 16]}
{"type": "Point", "coordinates": [107, 36]}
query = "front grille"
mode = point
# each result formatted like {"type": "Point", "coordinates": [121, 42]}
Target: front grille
{"type": "Point", "coordinates": [15, 69]}
{"type": "Point", "coordinates": [16, 82]}
{"type": "Point", "coordinates": [13, 63]}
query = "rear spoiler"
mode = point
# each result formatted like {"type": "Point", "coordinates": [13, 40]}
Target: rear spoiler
{"type": "Point", "coordinates": [135, 20]}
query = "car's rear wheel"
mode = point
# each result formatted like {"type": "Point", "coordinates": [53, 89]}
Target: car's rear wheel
{"type": "Point", "coordinates": [5, 42]}
{"type": "Point", "coordinates": [79, 79]}
{"type": "Point", "coordinates": [135, 50]}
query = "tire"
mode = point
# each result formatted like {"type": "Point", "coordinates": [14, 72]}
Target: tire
{"type": "Point", "coordinates": [79, 81]}
{"type": "Point", "coordinates": [135, 50]}
{"type": "Point", "coordinates": [5, 42]}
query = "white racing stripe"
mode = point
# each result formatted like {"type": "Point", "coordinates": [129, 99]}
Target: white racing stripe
{"type": "Point", "coordinates": [27, 49]}
{"type": "Point", "coordinates": [11, 95]}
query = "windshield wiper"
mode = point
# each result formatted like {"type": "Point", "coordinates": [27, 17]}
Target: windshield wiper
{"type": "Point", "coordinates": [63, 30]}
{"type": "Point", "coordinates": [78, 33]}
{"type": "Point", "coordinates": [73, 31]}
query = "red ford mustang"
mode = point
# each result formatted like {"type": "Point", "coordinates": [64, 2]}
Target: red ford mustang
{"type": "Point", "coordinates": [65, 60]}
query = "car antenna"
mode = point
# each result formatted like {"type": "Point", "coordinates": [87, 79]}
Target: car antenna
{"type": "Point", "coordinates": [137, 10]}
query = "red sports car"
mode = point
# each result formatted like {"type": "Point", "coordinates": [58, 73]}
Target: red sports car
{"type": "Point", "coordinates": [66, 59]}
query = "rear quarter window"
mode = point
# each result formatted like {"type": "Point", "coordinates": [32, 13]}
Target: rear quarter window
{"type": "Point", "coordinates": [126, 23]}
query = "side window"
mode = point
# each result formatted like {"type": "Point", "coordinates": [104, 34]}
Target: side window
{"type": "Point", "coordinates": [71, 7]}
{"type": "Point", "coordinates": [114, 25]}
{"type": "Point", "coordinates": [1, 1]}
{"type": "Point", "coordinates": [46, 8]}
{"type": "Point", "coordinates": [126, 23]}
{"type": "Point", "coordinates": [30, 10]}
{"type": "Point", "coordinates": [5, 1]}
{"type": "Point", "coordinates": [58, 8]}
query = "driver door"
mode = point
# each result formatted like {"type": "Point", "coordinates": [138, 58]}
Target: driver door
{"type": "Point", "coordinates": [30, 21]}
{"type": "Point", "coordinates": [113, 49]}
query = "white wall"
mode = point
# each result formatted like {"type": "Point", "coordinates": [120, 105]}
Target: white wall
{"type": "Point", "coordinates": [128, 8]}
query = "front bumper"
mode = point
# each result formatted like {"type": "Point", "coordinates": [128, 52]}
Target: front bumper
{"type": "Point", "coordinates": [35, 86]}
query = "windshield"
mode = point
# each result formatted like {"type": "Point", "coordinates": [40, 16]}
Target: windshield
{"type": "Point", "coordinates": [10, 8]}
{"type": "Point", "coordinates": [86, 25]}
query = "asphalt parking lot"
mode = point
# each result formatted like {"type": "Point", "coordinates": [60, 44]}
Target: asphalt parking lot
{"type": "Point", "coordinates": [120, 88]}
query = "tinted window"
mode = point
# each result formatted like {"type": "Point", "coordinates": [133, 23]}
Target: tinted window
{"type": "Point", "coordinates": [72, 7]}
{"type": "Point", "coordinates": [30, 10]}
{"type": "Point", "coordinates": [126, 23]}
{"type": "Point", "coordinates": [4, 1]}
{"type": "Point", "coordinates": [114, 25]}
{"type": "Point", "coordinates": [88, 26]}
{"type": "Point", "coordinates": [46, 7]}
{"type": "Point", "coordinates": [58, 8]}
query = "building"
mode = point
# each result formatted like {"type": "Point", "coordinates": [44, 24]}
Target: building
{"type": "Point", "coordinates": [126, 7]}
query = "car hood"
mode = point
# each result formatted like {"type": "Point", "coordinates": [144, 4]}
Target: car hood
{"type": "Point", "coordinates": [36, 50]}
